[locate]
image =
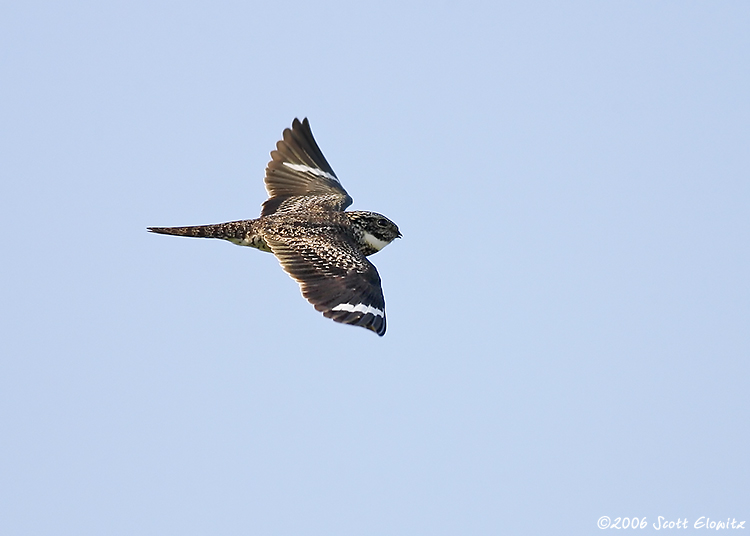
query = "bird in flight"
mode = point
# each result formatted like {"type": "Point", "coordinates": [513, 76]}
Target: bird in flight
{"type": "Point", "coordinates": [304, 224]}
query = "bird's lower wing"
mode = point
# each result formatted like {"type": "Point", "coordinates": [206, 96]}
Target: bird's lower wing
{"type": "Point", "coordinates": [337, 279]}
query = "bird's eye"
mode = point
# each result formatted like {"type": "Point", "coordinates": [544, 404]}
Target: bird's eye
{"type": "Point", "coordinates": [382, 222]}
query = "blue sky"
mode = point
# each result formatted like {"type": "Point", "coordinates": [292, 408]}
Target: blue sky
{"type": "Point", "coordinates": [568, 309]}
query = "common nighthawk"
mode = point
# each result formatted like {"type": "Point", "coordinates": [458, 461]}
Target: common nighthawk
{"type": "Point", "coordinates": [304, 224]}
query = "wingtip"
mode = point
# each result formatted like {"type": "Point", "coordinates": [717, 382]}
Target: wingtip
{"type": "Point", "coordinates": [377, 330]}
{"type": "Point", "coordinates": [296, 123]}
{"type": "Point", "coordinates": [380, 330]}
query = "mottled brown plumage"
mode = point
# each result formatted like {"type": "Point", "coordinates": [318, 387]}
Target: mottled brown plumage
{"type": "Point", "coordinates": [304, 224]}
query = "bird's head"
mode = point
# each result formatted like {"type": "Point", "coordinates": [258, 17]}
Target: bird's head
{"type": "Point", "coordinates": [375, 230]}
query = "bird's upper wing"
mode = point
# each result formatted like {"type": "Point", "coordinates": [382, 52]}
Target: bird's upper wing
{"type": "Point", "coordinates": [335, 277]}
{"type": "Point", "coordinates": [298, 177]}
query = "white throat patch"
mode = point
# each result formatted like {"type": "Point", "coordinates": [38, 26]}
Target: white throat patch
{"type": "Point", "coordinates": [375, 242]}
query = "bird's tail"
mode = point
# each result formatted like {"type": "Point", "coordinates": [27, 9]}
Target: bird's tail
{"type": "Point", "coordinates": [233, 230]}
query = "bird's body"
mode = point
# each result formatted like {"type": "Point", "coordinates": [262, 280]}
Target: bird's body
{"type": "Point", "coordinates": [304, 224]}
{"type": "Point", "coordinates": [289, 226]}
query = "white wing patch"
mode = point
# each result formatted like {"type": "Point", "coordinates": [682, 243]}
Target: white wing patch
{"type": "Point", "coordinates": [359, 308]}
{"type": "Point", "coordinates": [315, 171]}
